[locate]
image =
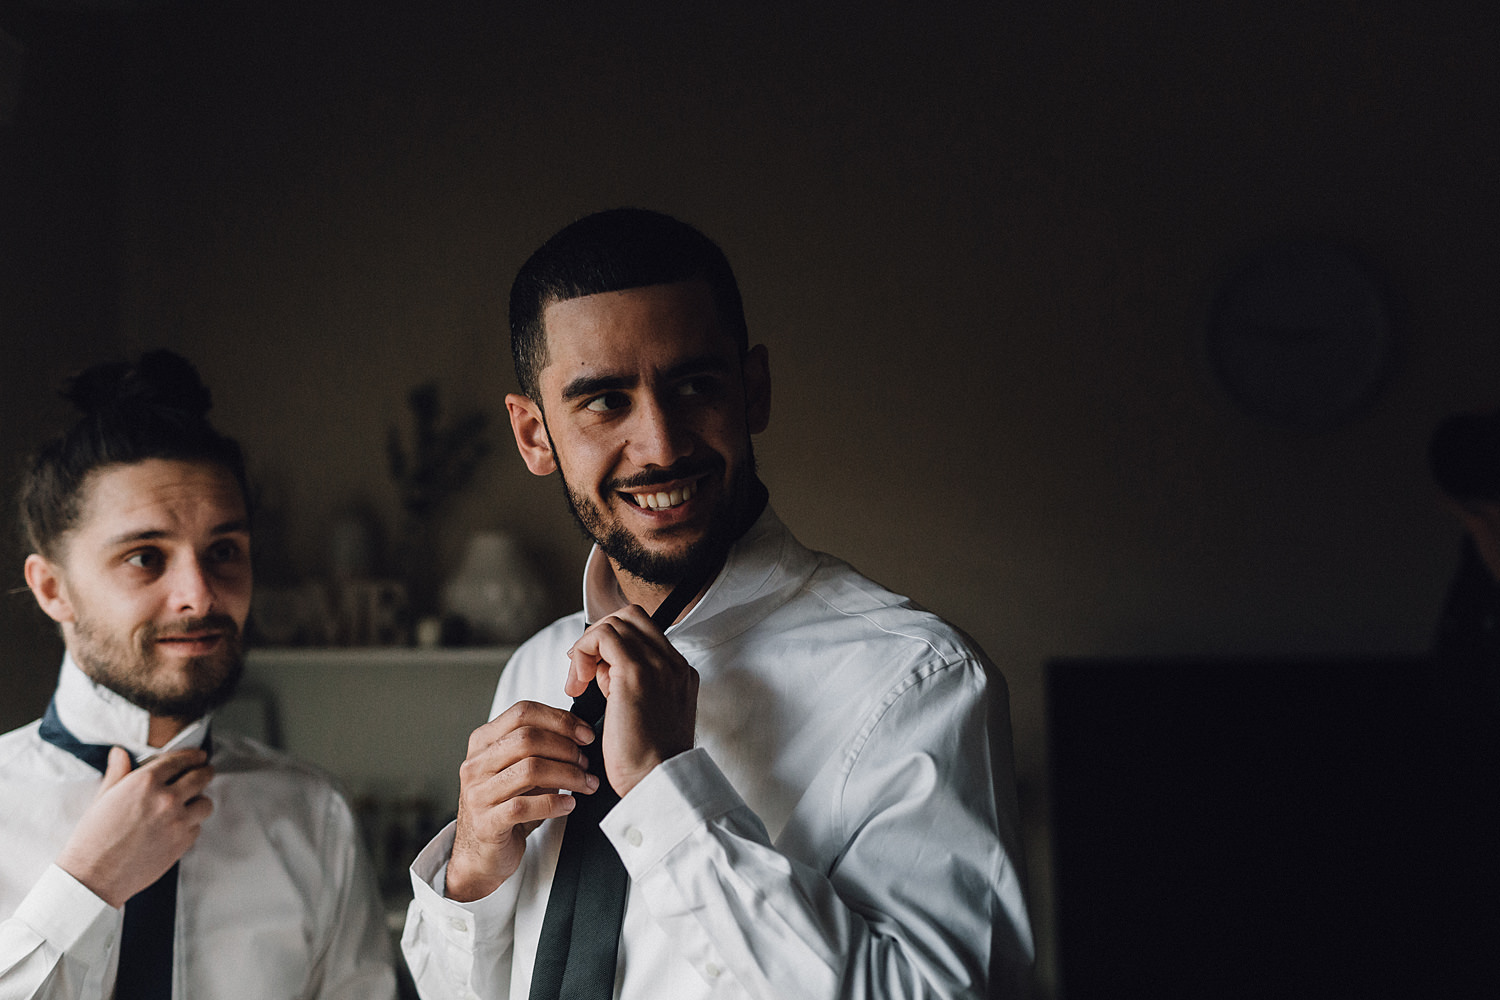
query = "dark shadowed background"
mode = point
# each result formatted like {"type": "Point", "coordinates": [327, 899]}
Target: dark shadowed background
{"type": "Point", "coordinates": [980, 241]}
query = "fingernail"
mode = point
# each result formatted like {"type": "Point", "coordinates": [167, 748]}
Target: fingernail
{"type": "Point", "coordinates": [584, 734]}
{"type": "Point", "coordinates": [570, 804]}
{"type": "Point", "coordinates": [592, 782]}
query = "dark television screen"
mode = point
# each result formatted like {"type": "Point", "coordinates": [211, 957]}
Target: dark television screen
{"type": "Point", "coordinates": [1270, 829]}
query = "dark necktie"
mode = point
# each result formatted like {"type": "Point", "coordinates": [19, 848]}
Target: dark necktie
{"type": "Point", "coordinates": [145, 971]}
{"type": "Point", "coordinates": [576, 954]}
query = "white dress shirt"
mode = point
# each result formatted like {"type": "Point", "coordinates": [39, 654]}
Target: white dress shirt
{"type": "Point", "coordinates": [275, 900]}
{"type": "Point", "coordinates": [845, 826]}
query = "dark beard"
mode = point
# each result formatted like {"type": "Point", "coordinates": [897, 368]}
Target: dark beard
{"type": "Point", "coordinates": [727, 522]}
{"type": "Point", "coordinates": [127, 672]}
{"type": "Point", "coordinates": [656, 568]}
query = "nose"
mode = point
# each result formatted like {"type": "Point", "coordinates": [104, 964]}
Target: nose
{"type": "Point", "coordinates": [659, 435]}
{"type": "Point", "coordinates": [192, 587]}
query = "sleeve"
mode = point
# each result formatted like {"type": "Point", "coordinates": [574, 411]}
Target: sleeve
{"type": "Point", "coordinates": [454, 949]}
{"type": "Point", "coordinates": [59, 944]}
{"type": "Point", "coordinates": [921, 899]}
{"type": "Point", "coordinates": [356, 962]}
{"type": "Point", "coordinates": [458, 949]}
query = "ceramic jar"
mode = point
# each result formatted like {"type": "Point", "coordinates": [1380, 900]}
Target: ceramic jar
{"type": "Point", "coordinates": [496, 590]}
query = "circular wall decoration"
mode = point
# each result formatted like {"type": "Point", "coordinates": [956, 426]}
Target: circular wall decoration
{"type": "Point", "coordinates": [1299, 335]}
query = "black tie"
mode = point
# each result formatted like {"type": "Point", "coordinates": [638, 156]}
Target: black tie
{"type": "Point", "coordinates": [576, 954]}
{"type": "Point", "coordinates": [145, 971]}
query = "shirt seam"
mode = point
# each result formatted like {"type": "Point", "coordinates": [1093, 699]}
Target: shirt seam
{"type": "Point", "coordinates": [897, 691]}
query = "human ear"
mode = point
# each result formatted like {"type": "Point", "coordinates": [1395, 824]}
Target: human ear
{"type": "Point", "coordinates": [757, 375]}
{"type": "Point", "coordinates": [530, 429]}
{"type": "Point", "coordinates": [47, 586]}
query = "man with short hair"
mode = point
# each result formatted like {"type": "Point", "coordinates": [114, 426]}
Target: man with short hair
{"type": "Point", "coordinates": [146, 856]}
{"type": "Point", "coordinates": [813, 774]}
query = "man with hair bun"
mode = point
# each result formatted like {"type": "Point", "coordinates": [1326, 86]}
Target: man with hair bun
{"type": "Point", "coordinates": [147, 856]}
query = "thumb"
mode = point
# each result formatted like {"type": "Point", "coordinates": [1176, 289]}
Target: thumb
{"type": "Point", "coordinates": [118, 767]}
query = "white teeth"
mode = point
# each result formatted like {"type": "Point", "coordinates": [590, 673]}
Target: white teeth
{"type": "Point", "coordinates": [663, 501]}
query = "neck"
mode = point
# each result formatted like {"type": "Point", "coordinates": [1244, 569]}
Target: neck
{"type": "Point", "coordinates": [651, 595]}
{"type": "Point", "coordinates": [163, 729]}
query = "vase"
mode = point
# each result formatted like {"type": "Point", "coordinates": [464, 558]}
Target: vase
{"type": "Point", "coordinates": [496, 591]}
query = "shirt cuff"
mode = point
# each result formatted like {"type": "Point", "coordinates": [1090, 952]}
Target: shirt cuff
{"type": "Point", "coordinates": [457, 922]}
{"type": "Point", "coordinates": [68, 915]}
{"type": "Point", "coordinates": [678, 797]}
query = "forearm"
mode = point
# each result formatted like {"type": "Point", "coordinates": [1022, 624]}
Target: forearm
{"type": "Point", "coordinates": [894, 918]}
{"type": "Point", "coordinates": [457, 949]}
{"type": "Point", "coordinates": [59, 943]}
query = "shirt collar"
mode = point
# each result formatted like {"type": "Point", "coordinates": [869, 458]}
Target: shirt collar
{"type": "Point", "coordinates": [757, 569]}
{"type": "Point", "coordinates": [95, 714]}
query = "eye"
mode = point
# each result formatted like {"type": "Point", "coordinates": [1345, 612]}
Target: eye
{"type": "Point", "coordinates": [225, 551]}
{"type": "Point", "coordinates": [699, 385]}
{"type": "Point", "coordinates": [146, 559]}
{"type": "Point", "coordinates": [605, 402]}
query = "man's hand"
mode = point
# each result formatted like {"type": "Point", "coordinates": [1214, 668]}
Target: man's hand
{"type": "Point", "coordinates": [139, 824]}
{"type": "Point", "coordinates": [518, 765]}
{"type": "Point", "coordinates": [652, 692]}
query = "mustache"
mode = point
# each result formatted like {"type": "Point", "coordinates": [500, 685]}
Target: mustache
{"type": "Point", "coordinates": [207, 623]}
{"type": "Point", "coordinates": [656, 477]}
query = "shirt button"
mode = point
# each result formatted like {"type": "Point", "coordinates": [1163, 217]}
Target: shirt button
{"type": "Point", "coordinates": [459, 924]}
{"type": "Point", "coordinates": [712, 971]}
{"type": "Point", "coordinates": [633, 837]}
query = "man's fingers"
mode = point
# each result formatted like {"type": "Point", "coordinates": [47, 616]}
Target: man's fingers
{"type": "Point", "coordinates": [581, 670]}
{"type": "Point", "coordinates": [518, 746]}
{"type": "Point", "coordinates": [117, 768]}
{"type": "Point", "coordinates": [627, 641]}
{"type": "Point", "coordinates": [519, 766]}
{"type": "Point", "coordinates": [190, 784]}
{"type": "Point", "coordinates": [606, 642]}
{"type": "Point", "coordinates": [198, 809]}
{"type": "Point", "coordinates": [172, 765]}
{"type": "Point", "coordinates": [529, 715]}
{"type": "Point", "coordinates": [524, 812]}
{"type": "Point", "coordinates": [529, 777]}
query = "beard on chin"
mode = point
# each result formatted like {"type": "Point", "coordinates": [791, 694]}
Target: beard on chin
{"type": "Point", "coordinates": [657, 568]}
{"type": "Point", "coordinates": [130, 672]}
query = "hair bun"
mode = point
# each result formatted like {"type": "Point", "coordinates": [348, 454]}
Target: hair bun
{"type": "Point", "coordinates": [161, 381]}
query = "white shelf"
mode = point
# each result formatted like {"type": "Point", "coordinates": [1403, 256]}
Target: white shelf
{"type": "Point", "coordinates": [384, 720]}
{"type": "Point", "coordinates": [355, 656]}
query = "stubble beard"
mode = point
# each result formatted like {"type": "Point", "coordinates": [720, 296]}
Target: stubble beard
{"type": "Point", "coordinates": [662, 569]}
{"type": "Point", "coordinates": [116, 664]}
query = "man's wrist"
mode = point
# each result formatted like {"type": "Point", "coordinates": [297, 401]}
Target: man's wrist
{"type": "Point", "coordinates": [468, 877]}
{"type": "Point", "coordinates": [669, 804]}
{"type": "Point", "coordinates": [66, 912]}
{"type": "Point", "coordinates": [463, 888]}
{"type": "Point", "coordinates": [91, 878]}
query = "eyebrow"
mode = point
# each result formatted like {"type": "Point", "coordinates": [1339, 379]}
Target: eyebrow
{"type": "Point", "coordinates": [592, 385]}
{"type": "Point", "coordinates": [235, 527]}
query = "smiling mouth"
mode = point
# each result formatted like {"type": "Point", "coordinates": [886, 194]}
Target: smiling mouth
{"type": "Point", "coordinates": [200, 639]}
{"type": "Point", "coordinates": [665, 499]}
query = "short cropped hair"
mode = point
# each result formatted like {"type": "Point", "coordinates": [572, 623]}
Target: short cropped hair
{"type": "Point", "coordinates": [155, 408]}
{"type": "Point", "coordinates": [612, 251]}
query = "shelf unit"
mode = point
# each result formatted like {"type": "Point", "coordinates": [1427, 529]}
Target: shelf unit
{"type": "Point", "coordinates": [384, 721]}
